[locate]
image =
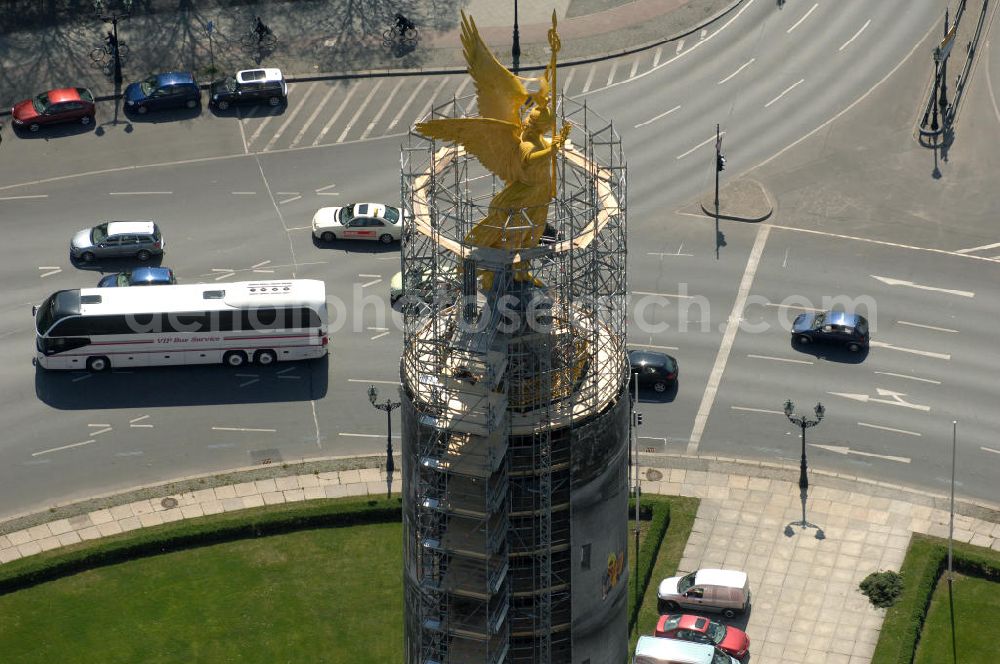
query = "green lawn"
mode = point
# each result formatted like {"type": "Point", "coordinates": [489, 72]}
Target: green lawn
{"type": "Point", "coordinates": [324, 595]}
{"type": "Point", "coordinates": [977, 623]}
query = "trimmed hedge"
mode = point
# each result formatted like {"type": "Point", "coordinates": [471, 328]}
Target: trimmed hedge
{"type": "Point", "coordinates": [926, 559]}
{"type": "Point", "coordinates": [187, 534]}
{"type": "Point", "coordinates": [657, 510]}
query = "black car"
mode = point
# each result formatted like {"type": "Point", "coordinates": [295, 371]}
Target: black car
{"type": "Point", "coordinates": [254, 86]}
{"type": "Point", "coordinates": [656, 370]}
{"type": "Point", "coordinates": [168, 90]}
{"type": "Point", "coordinates": [836, 327]}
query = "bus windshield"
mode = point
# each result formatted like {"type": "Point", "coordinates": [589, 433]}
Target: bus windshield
{"type": "Point", "coordinates": [46, 314]}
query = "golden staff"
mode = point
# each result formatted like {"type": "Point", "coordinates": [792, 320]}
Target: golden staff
{"type": "Point", "coordinates": [554, 45]}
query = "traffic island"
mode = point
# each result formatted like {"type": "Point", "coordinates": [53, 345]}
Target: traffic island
{"type": "Point", "coordinates": [740, 200]}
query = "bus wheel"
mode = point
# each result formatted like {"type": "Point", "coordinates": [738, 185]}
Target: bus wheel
{"type": "Point", "coordinates": [98, 364]}
{"type": "Point", "coordinates": [234, 358]}
{"type": "Point", "coordinates": [265, 357]}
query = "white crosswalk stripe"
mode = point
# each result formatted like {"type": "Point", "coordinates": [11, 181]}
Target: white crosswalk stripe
{"type": "Point", "coordinates": [290, 116]}
{"type": "Point", "coordinates": [406, 104]}
{"type": "Point", "coordinates": [316, 111]}
{"type": "Point", "coordinates": [381, 111]}
{"type": "Point", "coordinates": [340, 109]}
{"type": "Point", "coordinates": [357, 114]}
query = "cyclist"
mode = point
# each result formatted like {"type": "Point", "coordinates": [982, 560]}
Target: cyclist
{"type": "Point", "coordinates": [261, 29]}
{"type": "Point", "coordinates": [403, 24]}
{"type": "Point", "coordinates": [111, 41]}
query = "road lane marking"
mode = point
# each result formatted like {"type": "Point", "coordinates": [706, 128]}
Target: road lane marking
{"type": "Point", "coordinates": [785, 92]}
{"type": "Point", "coordinates": [837, 449]}
{"type": "Point", "coordinates": [657, 117]}
{"type": "Point", "coordinates": [381, 111]}
{"type": "Point", "coordinates": [371, 283]}
{"type": "Point", "coordinates": [912, 351]}
{"type": "Point", "coordinates": [928, 327]}
{"type": "Point", "coordinates": [21, 198]}
{"type": "Point", "coordinates": [899, 375]}
{"type": "Point", "coordinates": [590, 79]}
{"type": "Point", "coordinates": [982, 248]}
{"type": "Point", "coordinates": [990, 449]}
{"type": "Point", "coordinates": [889, 281]}
{"type": "Point", "coordinates": [312, 117]}
{"type": "Point", "coordinates": [658, 55]}
{"type": "Point", "coordinates": [322, 191]}
{"type": "Point", "coordinates": [100, 431]}
{"type": "Point", "coordinates": [674, 295]}
{"type": "Point", "coordinates": [52, 269]}
{"type": "Point", "coordinates": [139, 193]}
{"type": "Point", "coordinates": [896, 399]}
{"type": "Point", "coordinates": [680, 46]}
{"type": "Point", "coordinates": [289, 117]}
{"type": "Point", "coordinates": [944, 252]}
{"type": "Point", "coordinates": [364, 435]}
{"type": "Point", "coordinates": [703, 143]}
{"type": "Point", "coordinates": [704, 33]}
{"type": "Point", "coordinates": [288, 200]}
{"type": "Point", "coordinates": [856, 34]}
{"type": "Point", "coordinates": [361, 109]}
{"type": "Point", "coordinates": [811, 9]}
{"type": "Point", "coordinates": [243, 193]}
{"type": "Point", "coordinates": [260, 128]}
{"type": "Point", "coordinates": [742, 67]}
{"type": "Point", "coordinates": [430, 102]}
{"type": "Point", "coordinates": [879, 426]}
{"type": "Point", "coordinates": [336, 115]}
{"type": "Point", "coordinates": [380, 335]}
{"type": "Point", "coordinates": [129, 454]}
{"type": "Point", "coordinates": [406, 104]}
{"type": "Point", "coordinates": [243, 429]}
{"type": "Point", "coordinates": [635, 67]}
{"type": "Point", "coordinates": [569, 79]}
{"type": "Point", "coordinates": [789, 306]}
{"type": "Point", "coordinates": [732, 326]}
{"type": "Point", "coordinates": [656, 347]}
{"type": "Point", "coordinates": [758, 410]}
{"type": "Point", "coordinates": [380, 382]}
{"type": "Point", "coordinates": [63, 447]}
{"type": "Point", "coordinates": [779, 359]}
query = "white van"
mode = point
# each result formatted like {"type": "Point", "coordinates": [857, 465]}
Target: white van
{"type": "Point", "coordinates": [654, 650]}
{"type": "Point", "coordinates": [723, 590]}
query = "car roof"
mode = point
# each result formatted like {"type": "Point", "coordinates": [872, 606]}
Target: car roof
{"type": "Point", "coordinates": [645, 357]}
{"type": "Point", "coordinates": [721, 577]}
{"type": "Point", "coordinates": [264, 74]}
{"type": "Point", "coordinates": [689, 621]}
{"type": "Point", "coordinates": [174, 77]}
{"type": "Point", "coordinates": [369, 209]}
{"type": "Point", "coordinates": [657, 648]}
{"type": "Point", "coordinates": [843, 318]}
{"type": "Point", "coordinates": [119, 227]}
{"type": "Point", "coordinates": [60, 95]}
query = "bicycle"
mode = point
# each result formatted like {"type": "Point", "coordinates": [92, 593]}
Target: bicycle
{"type": "Point", "coordinates": [403, 38]}
{"type": "Point", "coordinates": [102, 54]}
{"type": "Point", "coordinates": [254, 40]}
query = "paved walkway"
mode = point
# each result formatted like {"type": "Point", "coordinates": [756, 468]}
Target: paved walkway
{"type": "Point", "coordinates": [806, 605]}
{"type": "Point", "coordinates": [322, 38]}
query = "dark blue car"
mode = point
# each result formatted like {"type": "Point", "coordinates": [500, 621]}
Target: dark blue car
{"type": "Point", "coordinates": [172, 89]}
{"type": "Point", "coordinates": [837, 327]}
{"type": "Point", "coordinates": [141, 276]}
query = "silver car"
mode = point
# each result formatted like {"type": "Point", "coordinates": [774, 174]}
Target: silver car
{"type": "Point", "coordinates": [118, 239]}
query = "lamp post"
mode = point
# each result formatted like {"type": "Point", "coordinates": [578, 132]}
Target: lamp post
{"type": "Point", "coordinates": [113, 17]}
{"type": "Point", "coordinates": [388, 406]}
{"type": "Point", "coordinates": [804, 423]}
{"type": "Point", "coordinates": [515, 50]}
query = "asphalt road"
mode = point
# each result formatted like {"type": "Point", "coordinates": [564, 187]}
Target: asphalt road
{"type": "Point", "coordinates": [857, 216]}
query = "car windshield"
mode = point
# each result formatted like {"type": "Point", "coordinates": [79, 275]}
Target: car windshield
{"type": "Point", "coordinates": [818, 321]}
{"type": "Point", "coordinates": [862, 326]}
{"type": "Point", "coordinates": [148, 86]}
{"type": "Point", "coordinates": [391, 214]}
{"type": "Point", "coordinates": [346, 214]}
{"type": "Point", "coordinates": [685, 583]}
{"type": "Point", "coordinates": [99, 234]}
{"type": "Point", "coordinates": [229, 84]}
{"type": "Point", "coordinates": [720, 657]}
{"type": "Point", "coordinates": [716, 631]}
{"type": "Point", "coordinates": [123, 279]}
{"type": "Point", "coordinates": [41, 102]}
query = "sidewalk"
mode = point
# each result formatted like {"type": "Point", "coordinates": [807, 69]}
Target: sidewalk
{"type": "Point", "coordinates": [328, 38]}
{"type": "Point", "coordinates": [806, 605]}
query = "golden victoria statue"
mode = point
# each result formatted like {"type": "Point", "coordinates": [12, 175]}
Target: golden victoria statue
{"type": "Point", "coordinates": [508, 140]}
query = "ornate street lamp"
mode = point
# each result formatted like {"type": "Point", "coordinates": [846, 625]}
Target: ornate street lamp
{"type": "Point", "coordinates": [112, 17]}
{"type": "Point", "coordinates": [515, 50]}
{"type": "Point", "coordinates": [804, 423]}
{"type": "Point", "coordinates": [388, 406]}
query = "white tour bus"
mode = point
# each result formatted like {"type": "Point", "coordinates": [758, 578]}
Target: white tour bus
{"type": "Point", "coordinates": [234, 323]}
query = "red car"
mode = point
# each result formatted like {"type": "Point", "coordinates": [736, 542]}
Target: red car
{"type": "Point", "coordinates": [732, 641]}
{"type": "Point", "coordinates": [61, 105]}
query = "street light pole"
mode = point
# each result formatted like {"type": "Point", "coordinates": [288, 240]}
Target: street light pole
{"type": "Point", "coordinates": [388, 406]}
{"type": "Point", "coordinates": [515, 50]}
{"type": "Point", "coordinates": [804, 423]}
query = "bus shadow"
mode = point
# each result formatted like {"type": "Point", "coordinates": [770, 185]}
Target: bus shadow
{"type": "Point", "coordinates": [200, 385]}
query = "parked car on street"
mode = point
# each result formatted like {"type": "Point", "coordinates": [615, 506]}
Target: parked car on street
{"type": "Point", "coordinates": [687, 627]}
{"type": "Point", "coordinates": [140, 276]}
{"type": "Point", "coordinates": [172, 89]}
{"type": "Point", "coordinates": [656, 370]}
{"type": "Point", "coordinates": [254, 86]}
{"type": "Point", "coordinates": [54, 107]}
{"type": "Point", "coordinates": [655, 650]}
{"type": "Point", "coordinates": [359, 221]}
{"type": "Point", "coordinates": [724, 590]}
{"type": "Point", "coordinates": [833, 327]}
{"type": "Point", "coordinates": [116, 239]}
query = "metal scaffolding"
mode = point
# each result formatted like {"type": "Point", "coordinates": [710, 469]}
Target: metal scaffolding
{"type": "Point", "coordinates": [496, 383]}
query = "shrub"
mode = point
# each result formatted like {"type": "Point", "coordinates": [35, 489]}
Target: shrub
{"type": "Point", "coordinates": [882, 588]}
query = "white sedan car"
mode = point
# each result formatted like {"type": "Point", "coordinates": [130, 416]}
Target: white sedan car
{"type": "Point", "coordinates": [358, 221]}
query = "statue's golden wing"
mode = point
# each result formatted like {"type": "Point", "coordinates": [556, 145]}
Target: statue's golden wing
{"type": "Point", "coordinates": [500, 93]}
{"type": "Point", "coordinates": [495, 143]}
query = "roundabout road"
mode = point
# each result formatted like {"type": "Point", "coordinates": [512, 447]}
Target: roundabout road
{"type": "Point", "coordinates": [234, 196]}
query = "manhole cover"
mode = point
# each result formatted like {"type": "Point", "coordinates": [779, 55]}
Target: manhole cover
{"type": "Point", "coordinates": [654, 475]}
{"type": "Point", "coordinates": [168, 502]}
